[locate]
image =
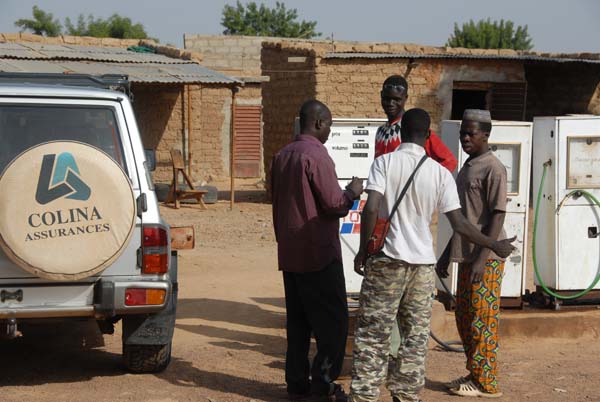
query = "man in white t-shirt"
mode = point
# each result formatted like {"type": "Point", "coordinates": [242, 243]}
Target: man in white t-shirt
{"type": "Point", "coordinates": [399, 282]}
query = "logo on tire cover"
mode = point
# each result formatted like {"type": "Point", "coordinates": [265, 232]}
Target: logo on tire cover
{"type": "Point", "coordinates": [60, 179]}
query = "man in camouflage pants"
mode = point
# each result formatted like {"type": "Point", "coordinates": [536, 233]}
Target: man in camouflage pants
{"type": "Point", "coordinates": [398, 282]}
{"type": "Point", "coordinates": [387, 281]}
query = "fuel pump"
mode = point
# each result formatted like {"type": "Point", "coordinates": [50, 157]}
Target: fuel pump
{"type": "Point", "coordinates": [566, 177]}
{"type": "Point", "coordinates": [351, 145]}
{"type": "Point", "coordinates": [511, 142]}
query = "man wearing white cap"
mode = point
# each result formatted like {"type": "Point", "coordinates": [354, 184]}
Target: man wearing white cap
{"type": "Point", "coordinates": [481, 184]}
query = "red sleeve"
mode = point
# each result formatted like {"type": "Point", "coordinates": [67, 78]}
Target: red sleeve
{"type": "Point", "coordinates": [439, 152]}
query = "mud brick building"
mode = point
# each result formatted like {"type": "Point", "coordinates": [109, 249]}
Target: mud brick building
{"type": "Point", "coordinates": [179, 103]}
{"type": "Point", "coordinates": [347, 76]}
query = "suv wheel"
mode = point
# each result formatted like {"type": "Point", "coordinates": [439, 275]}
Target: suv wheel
{"type": "Point", "coordinates": [146, 358]}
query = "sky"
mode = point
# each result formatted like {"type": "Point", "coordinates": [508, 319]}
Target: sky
{"type": "Point", "coordinates": [555, 25]}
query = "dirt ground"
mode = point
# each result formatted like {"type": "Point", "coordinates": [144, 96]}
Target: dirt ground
{"type": "Point", "coordinates": [229, 342]}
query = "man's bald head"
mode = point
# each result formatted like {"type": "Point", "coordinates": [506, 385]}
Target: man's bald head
{"type": "Point", "coordinates": [315, 119]}
{"type": "Point", "coordinates": [414, 126]}
{"type": "Point", "coordinates": [310, 111]}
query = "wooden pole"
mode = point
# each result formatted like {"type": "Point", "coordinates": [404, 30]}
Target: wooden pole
{"type": "Point", "coordinates": [189, 128]}
{"type": "Point", "coordinates": [234, 90]}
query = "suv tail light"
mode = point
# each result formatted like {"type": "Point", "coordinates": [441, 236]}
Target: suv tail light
{"type": "Point", "coordinates": [144, 297]}
{"type": "Point", "coordinates": [155, 250]}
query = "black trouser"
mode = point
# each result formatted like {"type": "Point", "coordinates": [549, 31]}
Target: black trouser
{"type": "Point", "coordinates": [315, 302]}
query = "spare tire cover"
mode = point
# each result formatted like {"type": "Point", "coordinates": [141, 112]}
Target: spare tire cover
{"type": "Point", "coordinates": [67, 210]}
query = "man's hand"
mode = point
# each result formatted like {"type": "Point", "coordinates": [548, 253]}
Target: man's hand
{"type": "Point", "coordinates": [441, 267]}
{"type": "Point", "coordinates": [478, 267]}
{"type": "Point", "coordinates": [477, 272]}
{"type": "Point", "coordinates": [503, 248]}
{"type": "Point", "coordinates": [356, 186]}
{"type": "Point", "coordinates": [359, 263]}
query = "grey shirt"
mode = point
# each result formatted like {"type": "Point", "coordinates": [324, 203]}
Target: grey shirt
{"type": "Point", "coordinates": [481, 184]}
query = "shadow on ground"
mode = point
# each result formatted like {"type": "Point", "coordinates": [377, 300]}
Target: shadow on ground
{"type": "Point", "coordinates": [233, 312]}
{"type": "Point", "coordinates": [57, 353]}
{"type": "Point", "coordinates": [435, 385]}
{"type": "Point", "coordinates": [183, 373]}
{"type": "Point", "coordinates": [254, 196]}
{"type": "Point", "coordinates": [237, 313]}
{"type": "Point", "coordinates": [271, 301]}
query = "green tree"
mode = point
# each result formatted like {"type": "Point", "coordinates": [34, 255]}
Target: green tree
{"type": "Point", "coordinates": [253, 20]}
{"type": "Point", "coordinates": [486, 34]}
{"type": "Point", "coordinates": [43, 23]}
{"type": "Point", "coordinates": [115, 26]}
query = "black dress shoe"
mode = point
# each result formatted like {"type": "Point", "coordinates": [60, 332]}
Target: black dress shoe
{"type": "Point", "coordinates": [338, 394]}
{"type": "Point", "coordinates": [298, 391]}
{"type": "Point", "coordinates": [294, 396]}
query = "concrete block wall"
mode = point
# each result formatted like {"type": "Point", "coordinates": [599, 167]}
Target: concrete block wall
{"type": "Point", "coordinates": [236, 55]}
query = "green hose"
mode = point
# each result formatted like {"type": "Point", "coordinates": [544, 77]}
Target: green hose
{"type": "Point", "coordinates": [591, 198]}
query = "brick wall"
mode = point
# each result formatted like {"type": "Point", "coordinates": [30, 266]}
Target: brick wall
{"type": "Point", "coordinates": [350, 87]}
{"type": "Point", "coordinates": [161, 112]}
{"type": "Point", "coordinates": [289, 86]}
{"type": "Point", "coordinates": [209, 137]}
{"type": "Point", "coordinates": [562, 88]}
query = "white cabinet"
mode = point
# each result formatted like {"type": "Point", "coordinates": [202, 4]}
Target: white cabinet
{"type": "Point", "coordinates": [568, 247]}
{"type": "Point", "coordinates": [511, 142]}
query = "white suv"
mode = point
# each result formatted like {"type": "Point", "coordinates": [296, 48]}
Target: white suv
{"type": "Point", "coordinates": [80, 229]}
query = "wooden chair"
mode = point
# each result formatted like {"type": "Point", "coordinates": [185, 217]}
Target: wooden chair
{"type": "Point", "coordinates": [175, 194]}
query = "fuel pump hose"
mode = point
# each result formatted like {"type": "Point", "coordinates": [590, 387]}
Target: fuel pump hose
{"type": "Point", "coordinates": [578, 193]}
{"type": "Point", "coordinates": [447, 345]}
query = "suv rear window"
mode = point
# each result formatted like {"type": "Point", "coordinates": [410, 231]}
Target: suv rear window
{"type": "Point", "coordinates": [22, 127]}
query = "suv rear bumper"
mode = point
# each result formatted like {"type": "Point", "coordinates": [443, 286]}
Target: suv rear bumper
{"type": "Point", "coordinates": [104, 299]}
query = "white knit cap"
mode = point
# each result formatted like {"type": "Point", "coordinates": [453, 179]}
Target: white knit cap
{"type": "Point", "coordinates": [478, 115]}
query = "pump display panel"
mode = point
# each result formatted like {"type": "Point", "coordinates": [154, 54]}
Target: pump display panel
{"type": "Point", "coordinates": [583, 162]}
{"type": "Point", "coordinates": [352, 149]}
{"type": "Point", "coordinates": [510, 156]}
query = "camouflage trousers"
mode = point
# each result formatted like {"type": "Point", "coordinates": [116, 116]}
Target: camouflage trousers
{"type": "Point", "coordinates": [392, 291]}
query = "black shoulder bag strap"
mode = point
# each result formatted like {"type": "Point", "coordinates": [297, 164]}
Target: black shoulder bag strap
{"type": "Point", "coordinates": [405, 189]}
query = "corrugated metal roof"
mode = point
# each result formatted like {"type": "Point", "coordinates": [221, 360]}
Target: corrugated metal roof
{"type": "Point", "coordinates": [38, 51]}
{"type": "Point", "coordinates": [188, 73]}
{"type": "Point", "coordinates": [524, 57]}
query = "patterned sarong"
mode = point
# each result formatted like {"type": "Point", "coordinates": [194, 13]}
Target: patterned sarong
{"type": "Point", "coordinates": [477, 319]}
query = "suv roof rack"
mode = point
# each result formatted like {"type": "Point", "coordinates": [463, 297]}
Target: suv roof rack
{"type": "Point", "coordinates": [115, 82]}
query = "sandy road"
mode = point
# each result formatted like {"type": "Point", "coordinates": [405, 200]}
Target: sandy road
{"type": "Point", "coordinates": [230, 341]}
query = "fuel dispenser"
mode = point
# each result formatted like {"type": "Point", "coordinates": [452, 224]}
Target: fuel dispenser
{"type": "Point", "coordinates": [351, 145]}
{"type": "Point", "coordinates": [511, 142]}
{"type": "Point", "coordinates": [566, 178]}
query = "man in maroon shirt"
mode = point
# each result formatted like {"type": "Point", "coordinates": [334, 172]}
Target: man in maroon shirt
{"type": "Point", "coordinates": [307, 205]}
